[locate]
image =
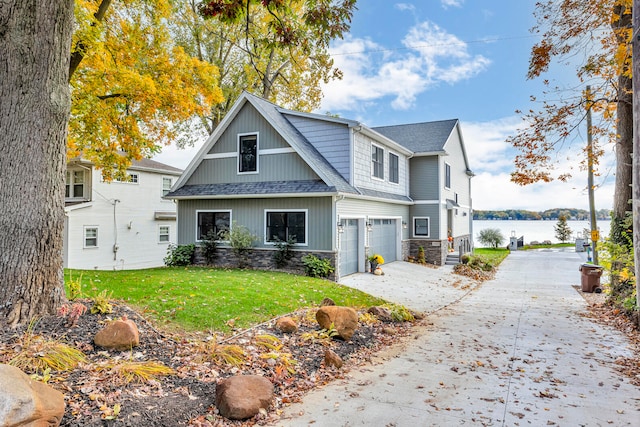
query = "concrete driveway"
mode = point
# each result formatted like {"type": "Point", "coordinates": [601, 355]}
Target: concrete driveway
{"type": "Point", "coordinates": [514, 351]}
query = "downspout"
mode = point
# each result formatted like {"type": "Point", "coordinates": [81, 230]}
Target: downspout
{"type": "Point", "coordinates": [115, 231]}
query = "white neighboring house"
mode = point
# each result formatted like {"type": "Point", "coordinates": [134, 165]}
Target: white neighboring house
{"type": "Point", "coordinates": [118, 225]}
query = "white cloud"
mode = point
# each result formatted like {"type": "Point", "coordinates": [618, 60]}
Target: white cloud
{"type": "Point", "coordinates": [451, 3]}
{"type": "Point", "coordinates": [372, 72]}
{"type": "Point", "coordinates": [405, 6]}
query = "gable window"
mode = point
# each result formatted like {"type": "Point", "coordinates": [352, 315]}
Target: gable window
{"type": "Point", "coordinates": [447, 175]}
{"type": "Point", "coordinates": [164, 233]}
{"type": "Point", "coordinates": [282, 226]}
{"type": "Point", "coordinates": [377, 161]}
{"type": "Point", "coordinates": [215, 222]}
{"type": "Point", "coordinates": [74, 184]}
{"type": "Point", "coordinates": [248, 153]}
{"type": "Point", "coordinates": [421, 226]}
{"type": "Point", "coordinates": [166, 185]}
{"type": "Point", "coordinates": [394, 172]}
{"type": "Point", "coordinates": [90, 237]}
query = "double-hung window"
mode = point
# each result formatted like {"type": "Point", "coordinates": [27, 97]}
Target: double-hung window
{"type": "Point", "coordinates": [248, 153]}
{"type": "Point", "coordinates": [164, 233]}
{"type": "Point", "coordinates": [74, 185]}
{"type": "Point", "coordinates": [394, 171]}
{"type": "Point", "coordinates": [285, 226]}
{"type": "Point", "coordinates": [377, 161]}
{"type": "Point", "coordinates": [166, 185]}
{"type": "Point", "coordinates": [212, 224]}
{"type": "Point", "coordinates": [90, 237]}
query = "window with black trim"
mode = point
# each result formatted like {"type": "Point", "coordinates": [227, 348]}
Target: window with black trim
{"type": "Point", "coordinates": [447, 175]}
{"type": "Point", "coordinates": [394, 171]}
{"type": "Point", "coordinates": [215, 222]}
{"type": "Point", "coordinates": [282, 226]}
{"type": "Point", "coordinates": [421, 226]}
{"type": "Point", "coordinates": [377, 161]}
{"type": "Point", "coordinates": [248, 153]}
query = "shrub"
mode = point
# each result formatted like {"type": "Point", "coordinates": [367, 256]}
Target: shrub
{"type": "Point", "coordinates": [179, 255]}
{"type": "Point", "coordinates": [101, 303]}
{"type": "Point", "coordinates": [491, 237]}
{"type": "Point", "coordinates": [465, 258]}
{"type": "Point", "coordinates": [241, 241]}
{"type": "Point", "coordinates": [209, 246]}
{"type": "Point", "coordinates": [284, 252]}
{"type": "Point", "coordinates": [317, 267]}
{"type": "Point", "coordinates": [421, 258]}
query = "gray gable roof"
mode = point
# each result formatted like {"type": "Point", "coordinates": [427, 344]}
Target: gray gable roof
{"type": "Point", "coordinates": [252, 189]}
{"type": "Point", "coordinates": [425, 137]}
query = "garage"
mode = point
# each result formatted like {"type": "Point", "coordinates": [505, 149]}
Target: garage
{"type": "Point", "coordinates": [349, 247]}
{"type": "Point", "coordinates": [383, 239]}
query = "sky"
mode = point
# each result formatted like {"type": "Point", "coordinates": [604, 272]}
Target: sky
{"type": "Point", "coordinates": [427, 60]}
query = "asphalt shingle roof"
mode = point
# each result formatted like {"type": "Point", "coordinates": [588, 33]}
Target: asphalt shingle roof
{"type": "Point", "coordinates": [252, 189]}
{"type": "Point", "coordinates": [425, 137]}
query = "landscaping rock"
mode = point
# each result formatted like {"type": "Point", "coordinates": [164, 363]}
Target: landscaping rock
{"type": "Point", "coordinates": [332, 359]}
{"type": "Point", "coordinates": [327, 301]}
{"type": "Point", "coordinates": [344, 320]}
{"type": "Point", "coordinates": [287, 325]}
{"type": "Point", "coordinates": [242, 396]}
{"type": "Point", "coordinates": [25, 402]}
{"type": "Point", "coordinates": [118, 335]}
{"type": "Point", "coordinates": [382, 313]}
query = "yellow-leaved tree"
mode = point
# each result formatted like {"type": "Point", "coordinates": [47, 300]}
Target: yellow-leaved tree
{"type": "Point", "coordinates": [134, 89]}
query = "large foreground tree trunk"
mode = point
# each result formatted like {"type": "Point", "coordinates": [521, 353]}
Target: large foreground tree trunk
{"type": "Point", "coordinates": [35, 39]}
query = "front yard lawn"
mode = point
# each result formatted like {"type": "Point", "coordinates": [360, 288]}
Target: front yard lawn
{"type": "Point", "coordinates": [197, 298]}
{"type": "Point", "coordinates": [494, 256]}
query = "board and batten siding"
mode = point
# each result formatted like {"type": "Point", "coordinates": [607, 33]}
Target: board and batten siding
{"type": "Point", "coordinates": [331, 139]}
{"type": "Point", "coordinates": [363, 173]}
{"type": "Point", "coordinates": [425, 182]}
{"type": "Point", "coordinates": [433, 211]}
{"type": "Point", "coordinates": [251, 214]}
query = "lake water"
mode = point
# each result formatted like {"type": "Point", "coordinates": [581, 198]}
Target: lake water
{"type": "Point", "coordinates": [536, 230]}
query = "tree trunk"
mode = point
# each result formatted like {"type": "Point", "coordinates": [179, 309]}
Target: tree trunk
{"type": "Point", "coordinates": [34, 111]}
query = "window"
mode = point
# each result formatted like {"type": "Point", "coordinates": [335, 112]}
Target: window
{"type": "Point", "coordinates": [74, 185]}
{"type": "Point", "coordinates": [421, 227]}
{"type": "Point", "coordinates": [131, 178]}
{"type": "Point", "coordinates": [377, 160]}
{"type": "Point", "coordinates": [166, 185]}
{"type": "Point", "coordinates": [214, 222]}
{"type": "Point", "coordinates": [248, 153]}
{"type": "Point", "coordinates": [91, 237]}
{"type": "Point", "coordinates": [447, 175]}
{"type": "Point", "coordinates": [282, 226]}
{"type": "Point", "coordinates": [163, 233]}
{"type": "Point", "coordinates": [394, 173]}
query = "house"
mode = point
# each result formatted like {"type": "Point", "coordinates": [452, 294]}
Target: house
{"type": "Point", "coordinates": [118, 224]}
{"type": "Point", "coordinates": [340, 189]}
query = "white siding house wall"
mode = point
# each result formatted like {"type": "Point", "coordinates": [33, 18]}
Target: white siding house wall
{"type": "Point", "coordinates": [459, 190]}
{"type": "Point", "coordinates": [124, 214]}
{"type": "Point", "coordinates": [363, 173]}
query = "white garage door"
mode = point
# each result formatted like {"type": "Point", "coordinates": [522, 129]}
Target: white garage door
{"type": "Point", "coordinates": [383, 239]}
{"type": "Point", "coordinates": [349, 247]}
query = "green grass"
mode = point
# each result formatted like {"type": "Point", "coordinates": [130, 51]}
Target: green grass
{"type": "Point", "coordinates": [494, 256]}
{"type": "Point", "coordinates": [194, 298]}
{"type": "Point", "coordinates": [553, 245]}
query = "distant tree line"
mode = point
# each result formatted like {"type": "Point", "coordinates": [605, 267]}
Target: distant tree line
{"type": "Point", "coordinates": [549, 214]}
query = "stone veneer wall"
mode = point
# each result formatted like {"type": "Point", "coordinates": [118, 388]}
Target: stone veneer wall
{"type": "Point", "coordinates": [435, 251]}
{"type": "Point", "coordinates": [262, 259]}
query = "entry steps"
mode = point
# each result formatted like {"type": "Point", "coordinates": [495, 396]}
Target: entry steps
{"type": "Point", "coordinates": [453, 258]}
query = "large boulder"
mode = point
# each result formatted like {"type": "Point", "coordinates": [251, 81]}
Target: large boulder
{"type": "Point", "coordinates": [26, 402]}
{"type": "Point", "coordinates": [287, 325]}
{"type": "Point", "coordinates": [343, 319]}
{"type": "Point", "coordinates": [118, 335]}
{"type": "Point", "coordinates": [242, 396]}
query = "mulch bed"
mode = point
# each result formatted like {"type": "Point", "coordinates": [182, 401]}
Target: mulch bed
{"type": "Point", "coordinates": [98, 396]}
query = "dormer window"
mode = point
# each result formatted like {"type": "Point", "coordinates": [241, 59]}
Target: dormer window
{"type": "Point", "coordinates": [74, 185]}
{"type": "Point", "coordinates": [248, 153]}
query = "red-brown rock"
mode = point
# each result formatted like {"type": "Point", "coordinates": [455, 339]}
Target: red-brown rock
{"type": "Point", "coordinates": [242, 396]}
{"type": "Point", "coordinates": [287, 325]}
{"type": "Point", "coordinates": [343, 319]}
{"type": "Point", "coordinates": [118, 335]}
{"type": "Point", "coordinates": [26, 402]}
{"type": "Point", "coordinates": [332, 359]}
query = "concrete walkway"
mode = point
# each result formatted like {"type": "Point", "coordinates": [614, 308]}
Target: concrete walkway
{"type": "Point", "coordinates": [515, 351]}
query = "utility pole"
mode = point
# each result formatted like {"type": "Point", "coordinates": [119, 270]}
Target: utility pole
{"type": "Point", "coordinates": [635, 42]}
{"type": "Point", "coordinates": [592, 202]}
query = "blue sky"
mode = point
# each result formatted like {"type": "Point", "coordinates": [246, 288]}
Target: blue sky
{"type": "Point", "coordinates": [408, 62]}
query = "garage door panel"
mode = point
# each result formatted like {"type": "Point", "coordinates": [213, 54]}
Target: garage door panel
{"type": "Point", "coordinates": [383, 238]}
{"type": "Point", "coordinates": [349, 247]}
